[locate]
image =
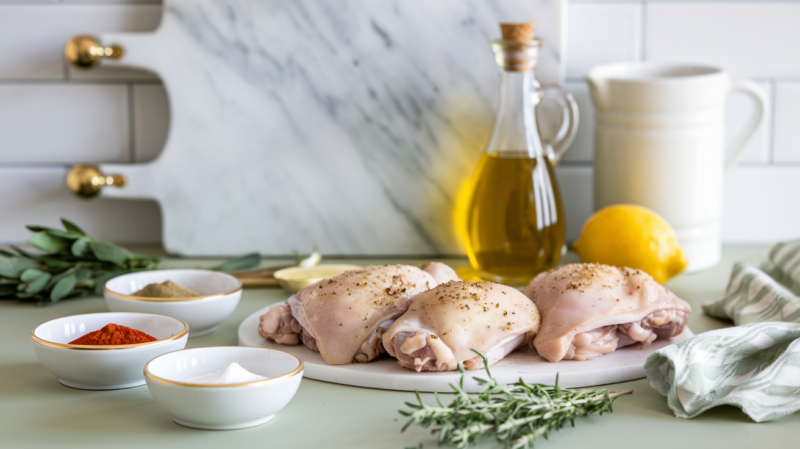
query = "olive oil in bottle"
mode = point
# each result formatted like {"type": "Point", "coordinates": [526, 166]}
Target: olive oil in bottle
{"type": "Point", "coordinates": [515, 220]}
{"type": "Point", "coordinates": [516, 227]}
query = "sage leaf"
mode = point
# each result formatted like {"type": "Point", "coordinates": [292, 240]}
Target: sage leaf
{"type": "Point", "coordinates": [64, 235]}
{"type": "Point", "coordinates": [47, 243]}
{"type": "Point", "coordinates": [108, 252]}
{"type": "Point", "coordinates": [30, 273]}
{"type": "Point", "coordinates": [33, 228]}
{"type": "Point", "coordinates": [7, 253]}
{"type": "Point", "coordinates": [83, 274]}
{"type": "Point", "coordinates": [38, 283]}
{"type": "Point", "coordinates": [22, 252]}
{"type": "Point", "coordinates": [72, 227]}
{"type": "Point", "coordinates": [55, 264]}
{"type": "Point", "coordinates": [242, 263]}
{"type": "Point", "coordinates": [14, 266]}
{"type": "Point", "coordinates": [80, 246]}
{"type": "Point", "coordinates": [60, 276]}
{"type": "Point", "coordinates": [62, 288]}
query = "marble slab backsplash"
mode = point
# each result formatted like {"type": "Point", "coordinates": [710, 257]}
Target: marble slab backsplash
{"type": "Point", "coordinates": [53, 116]}
{"type": "Point", "coordinates": [350, 126]}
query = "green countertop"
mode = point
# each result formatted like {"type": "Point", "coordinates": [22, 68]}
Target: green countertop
{"type": "Point", "coordinates": [37, 411]}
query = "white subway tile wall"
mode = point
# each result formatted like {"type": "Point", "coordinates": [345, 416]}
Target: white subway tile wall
{"type": "Point", "coordinates": [787, 122]}
{"type": "Point", "coordinates": [52, 116]}
{"type": "Point", "coordinates": [602, 33]}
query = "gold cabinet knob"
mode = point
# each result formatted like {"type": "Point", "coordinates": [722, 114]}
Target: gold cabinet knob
{"type": "Point", "coordinates": [86, 180]}
{"type": "Point", "coordinates": [85, 52]}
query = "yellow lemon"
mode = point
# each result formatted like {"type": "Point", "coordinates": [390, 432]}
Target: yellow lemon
{"type": "Point", "coordinates": [625, 235]}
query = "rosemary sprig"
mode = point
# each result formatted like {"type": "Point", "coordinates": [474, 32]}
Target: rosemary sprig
{"type": "Point", "coordinates": [517, 414]}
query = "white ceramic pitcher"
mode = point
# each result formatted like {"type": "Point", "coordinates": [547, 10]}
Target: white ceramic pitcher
{"type": "Point", "coordinates": [659, 143]}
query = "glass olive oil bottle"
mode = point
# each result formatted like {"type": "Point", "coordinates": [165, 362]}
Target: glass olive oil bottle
{"type": "Point", "coordinates": [515, 226]}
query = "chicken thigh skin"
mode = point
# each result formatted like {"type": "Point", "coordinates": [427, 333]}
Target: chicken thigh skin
{"type": "Point", "coordinates": [344, 317]}
{"type": "Point", "coordinates": [591, 309]}
{"type": "Point", "coordinates": [443, 325]}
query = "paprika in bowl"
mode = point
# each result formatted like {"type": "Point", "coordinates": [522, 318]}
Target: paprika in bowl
{"type": "Point", "coordinates": [175, 381]}
{"type": "Point", "coordinates": [219, 296]}
{"type": "Point", "coordinates": [113, 350]}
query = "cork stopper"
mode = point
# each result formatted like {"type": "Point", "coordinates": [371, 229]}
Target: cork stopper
{"type": "Point", "coordinates": [517, 32]}
{"type": "Point", "coordinates": [517, 51]}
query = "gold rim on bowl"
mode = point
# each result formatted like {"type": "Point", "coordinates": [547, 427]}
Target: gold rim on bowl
{"type": "Point", "coordinates": [191, 298]}
{"type": "Point", "coordinates": [51, 344]}
{"type": "Point", "coordinates": [176, 383]}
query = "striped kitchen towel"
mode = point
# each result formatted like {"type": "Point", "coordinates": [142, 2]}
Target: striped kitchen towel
{"type": "Point", "coordinates": [755, 367]}
{"type": "Point", "coordinates": [768, 294]}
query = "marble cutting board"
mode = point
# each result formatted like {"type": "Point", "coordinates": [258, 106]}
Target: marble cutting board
{"type": "Point", "coordinates": [384, 373]}
{"type": "Point", "coordinates": [350, 125]}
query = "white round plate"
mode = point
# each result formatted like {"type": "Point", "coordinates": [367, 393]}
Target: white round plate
{"type": "Point", "coordinates": [384, 373]}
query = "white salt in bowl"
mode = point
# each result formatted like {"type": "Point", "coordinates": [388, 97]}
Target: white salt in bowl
{"type": "Point", "coordinates": [104, 367]}
{"type": "Point", "coordinates": [223, 406]}
{"type": "Point", "coordinates": [219, 296]}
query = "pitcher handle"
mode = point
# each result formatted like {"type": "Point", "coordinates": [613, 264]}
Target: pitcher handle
{"type": "Point", "coordinates": [569, 121]}
{"type": "Point", "coordinates": [758, 94]}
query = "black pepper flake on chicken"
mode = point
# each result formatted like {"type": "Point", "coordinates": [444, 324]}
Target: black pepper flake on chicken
{"type": "Point", "coordinates": [410, 339]}
{"type": "Point", "coordinates": [630, 315]}
{"type": "Point", "coordinates": [327, 320]}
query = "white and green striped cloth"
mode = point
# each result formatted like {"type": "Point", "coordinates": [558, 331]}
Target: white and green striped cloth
{"type": "Point", "coordinates": [754, 366]}
{"type": "Point", "coordinates": [755, 295]}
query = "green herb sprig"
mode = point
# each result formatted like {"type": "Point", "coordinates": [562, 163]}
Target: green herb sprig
{"type": "Point", "coordinates": [72, 264]}
{"type": "Point", "coordinates": [517, 414]}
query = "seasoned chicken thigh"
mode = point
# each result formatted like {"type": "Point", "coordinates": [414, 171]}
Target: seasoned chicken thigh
{"type": "Point", "coordinates": [442, 325]}
{"type": "Point", "coordinates": [344, 317]}
{"type": "Point", "coordinates": [590, 309]}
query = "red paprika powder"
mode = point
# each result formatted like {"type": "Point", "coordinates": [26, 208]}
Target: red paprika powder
{"type": "Point", "coordinates": [113, 334]}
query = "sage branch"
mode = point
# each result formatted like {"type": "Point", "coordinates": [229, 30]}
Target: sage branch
{"type": "Point", "coordinates": [73, 264]}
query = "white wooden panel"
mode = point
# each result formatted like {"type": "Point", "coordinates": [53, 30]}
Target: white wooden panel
{"type": "Point", "coordinates": [32, 37]}
{"type": "Point", "coordinates": [150, 120]}
{"type": "Point", "coordinates": [38, 196]}
{"type": "Point", "coordinates": [787, 122]}
{"type": "Point", "coordinates": [749, 39]}
{"type": "Point", "coordinates": [63, 123]}
{"type": "Point", "coordinates": [602, 33]}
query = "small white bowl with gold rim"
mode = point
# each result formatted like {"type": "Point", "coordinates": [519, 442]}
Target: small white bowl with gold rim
{"type": "Point", "coordinates": [219, 296]}
{"type": "Point", "coordinates": [223, 406]}
{"type": "Point", "coordinates": [296, 278]}
{"type": "Point", "coordinates": [104, 367]}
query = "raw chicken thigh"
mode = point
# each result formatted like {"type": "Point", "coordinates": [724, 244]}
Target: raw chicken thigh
{"type": "Point", "coordinates": [342, 317]}
{"type": "Point", "coordinates": [590, 309]}
{"type": "Point", "coordinates": [441, 273]}
{"type": "Point", "coordinates": [442, 326]}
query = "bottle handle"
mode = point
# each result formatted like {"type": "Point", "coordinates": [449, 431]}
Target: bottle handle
{"type": "Point", "coordinates": [758, 94]}
{"type": "Point", "coordinates": [569, 121]}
